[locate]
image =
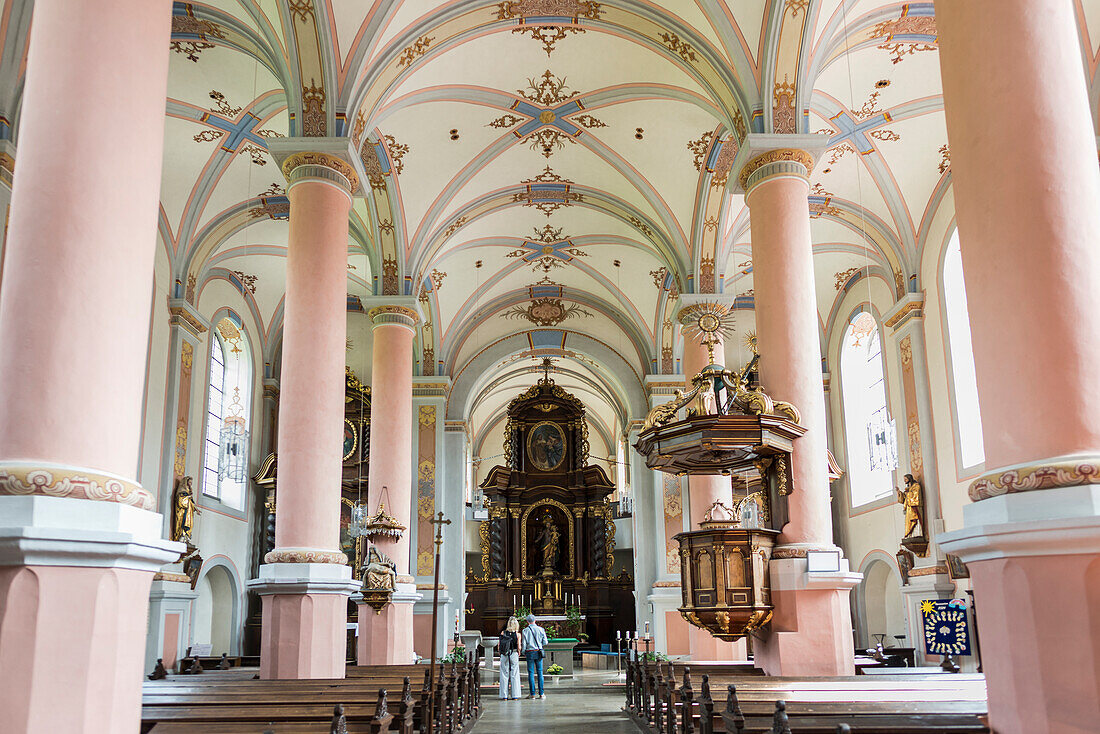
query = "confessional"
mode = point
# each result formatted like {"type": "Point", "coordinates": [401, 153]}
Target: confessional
{"type": "Point", "coordinates": [548, 545]}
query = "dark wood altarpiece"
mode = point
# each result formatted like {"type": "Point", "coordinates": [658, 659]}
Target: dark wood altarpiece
{"type": "Point", "coordinates": [550, 537]}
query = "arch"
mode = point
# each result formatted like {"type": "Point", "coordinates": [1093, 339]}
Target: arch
{"type": "Point", "coordinates": [216, 615]}
{"type": "Point", "coordinates": [880, 607]}
{"type": "Point", "coordinates": [231, 364]}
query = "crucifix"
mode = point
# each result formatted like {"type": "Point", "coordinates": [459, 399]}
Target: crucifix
{"type": "Point", "coordinates": [439, 522]}
{"type": "Point", "coordinates": [547, 365]}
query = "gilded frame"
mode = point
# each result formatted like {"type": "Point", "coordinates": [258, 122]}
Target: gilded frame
{"type": "Point", "coordinates": [523, 535]}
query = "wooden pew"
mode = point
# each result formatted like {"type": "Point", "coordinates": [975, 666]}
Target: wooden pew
{"type": "Point", "coordinates": [661, 703]}
{"type": "Point", "coordinates": [232, 702]}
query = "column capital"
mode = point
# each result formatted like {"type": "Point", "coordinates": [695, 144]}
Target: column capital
{"type": "Point", "coordinates": [325, 159]}
{"type": "Point", "coordinates": [764, 156]}
{"type": "Point", "coordinates": [186, 317]}
{"type": "Point", "coordinates": [910, 306]}
{"type": "Point", "coordinates": [1053, 473]}
{"type": "Point", "coordinates": [402, 310]}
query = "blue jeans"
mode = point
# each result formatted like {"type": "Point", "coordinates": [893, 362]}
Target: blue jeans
{"type": "Point", "coordinates": [534, 662]}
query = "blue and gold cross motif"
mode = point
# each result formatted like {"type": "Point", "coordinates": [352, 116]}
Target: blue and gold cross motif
{"type": "Point", "coordinates": [548, 249]}
{"type": "Point", "coordinates": [236, 133]}
{"type": "Point", "coordinates": [545, 107]}
{"type": "Point", "coordinates": [855, 131]}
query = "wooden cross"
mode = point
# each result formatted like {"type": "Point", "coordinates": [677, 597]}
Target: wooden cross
{"type": "Point", "coordinates": [439, 523]}
{"type": "Point", "coordinates": [547, 365]}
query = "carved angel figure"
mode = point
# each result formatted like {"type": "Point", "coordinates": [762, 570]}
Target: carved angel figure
{"type": "Point", "coordinates": [379, 572]}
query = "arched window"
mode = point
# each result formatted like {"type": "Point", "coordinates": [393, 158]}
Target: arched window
{"type": "Point", "coordinates": [871, 439]}
{"type": "Point", "coordinates": [225, 467]}
{"type": "Point", "coordinates": [968, 419]}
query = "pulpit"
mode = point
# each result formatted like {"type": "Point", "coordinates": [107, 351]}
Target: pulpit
{"type": "Point", "coordinates": [549, 541]}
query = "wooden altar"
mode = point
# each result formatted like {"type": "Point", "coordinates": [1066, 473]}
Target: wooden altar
{"type": "Point", "coordinates": [549, 541]}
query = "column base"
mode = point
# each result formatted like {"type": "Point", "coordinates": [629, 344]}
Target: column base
{"type": "Point", "coordinates": [74, 590]}
{"type": "Point", "coordinates": [304, 619]}
{"type": "Point", "coordinates": [169, 622]}
{"type": "Point", "coordinates": [422, 623]}
{"type": "Point", "coordinates": [386, 637]}
{"type": "Point", "coordinates": [1034, 561]}
{"type": "Point", "coordinates": [811, 628]}
{"type": "Point", "coordinates": [705, 647]}
{"type": "Point", "coordinates": [671, 632]}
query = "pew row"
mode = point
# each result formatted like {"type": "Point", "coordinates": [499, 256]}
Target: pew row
{"type": "Point", "coordinates": [373, 698]}
{"type": "Point", "coordinates": [662, 701]}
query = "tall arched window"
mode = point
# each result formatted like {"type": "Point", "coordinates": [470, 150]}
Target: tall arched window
{"type": "Point", "coordinates": [871, 439]}
{"type": "Point", "coordinates": [225, 466]}
{"type": "Point", "coordinates": [968, 419]}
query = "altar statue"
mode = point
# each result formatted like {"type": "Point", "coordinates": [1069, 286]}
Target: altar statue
{"type": "Point", "coordinates": [549, 541]}
{"type": "Point", "coordinates": [379, 572]}
{"type": "Point", "coordinates": [910, 498]}
{"type": "Point", "coordinates": [183, 511]}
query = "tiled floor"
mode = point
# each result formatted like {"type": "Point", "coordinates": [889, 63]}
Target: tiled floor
{"type": "Point", "coordinates": [563, 711]}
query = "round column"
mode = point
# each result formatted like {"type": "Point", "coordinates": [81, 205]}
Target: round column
{"type": "Point", "coordinates": [811, 627]}
{"type": "Point", "coordinates": [1028, 223]}
{"type": "Point", "coordinates": [78, 544]}
{"type": "Point", "coordinates": [311, 401]}
{"type": "Point", "coordinates": [305, 581]}
{"type": "Point", "coordinates": [787, 333]}
{"type": "Point", "coordinates": [386, 638]}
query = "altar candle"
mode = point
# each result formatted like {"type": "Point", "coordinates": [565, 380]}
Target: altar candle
{"type": "Point", "coordinates": [618, 634]}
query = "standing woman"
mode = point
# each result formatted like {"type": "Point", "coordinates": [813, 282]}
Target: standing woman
{"type": "Point", "coordinates": [509, 647]}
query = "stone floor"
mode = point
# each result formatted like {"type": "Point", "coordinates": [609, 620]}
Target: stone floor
{"type": "Point", "coordinates": [566, 709]}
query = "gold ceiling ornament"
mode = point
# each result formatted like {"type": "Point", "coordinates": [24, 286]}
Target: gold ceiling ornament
{"type": "Point", "coordinates": [708, 322]}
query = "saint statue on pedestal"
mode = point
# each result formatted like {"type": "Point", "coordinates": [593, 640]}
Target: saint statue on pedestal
{"type": "Point", "coordinates": [549, 541]}
{"type": "Point", "coordinates": [910, 498]}
{"type": "Point", "coordinates": [183, 511]}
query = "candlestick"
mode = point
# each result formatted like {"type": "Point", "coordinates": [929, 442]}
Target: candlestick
{"type": "Point", "coordinates": [617, 634]}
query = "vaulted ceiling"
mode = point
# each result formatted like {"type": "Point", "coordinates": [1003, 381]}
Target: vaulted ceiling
{"type": "Point", "coordinates": [547, 176]}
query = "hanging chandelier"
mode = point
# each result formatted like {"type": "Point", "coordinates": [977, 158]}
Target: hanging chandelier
{"type": "Point", "coordinates": [233, 442]}
{"type": "Point", "coordinates": [380, 526]}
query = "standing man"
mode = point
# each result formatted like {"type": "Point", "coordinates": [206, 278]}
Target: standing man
{"type": "Point", "coordinates": [534, 640]}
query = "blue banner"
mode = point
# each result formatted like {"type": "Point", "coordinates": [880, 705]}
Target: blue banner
{"type": "Point", "coordinates": [946, 627]}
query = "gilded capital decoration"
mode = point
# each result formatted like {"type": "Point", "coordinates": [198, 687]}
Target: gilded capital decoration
{"type": "Point", "coordinates": [299, 555]}
{"type": "Point", "coordinates": [781, 155]}
{"type": "Point", "coordinates": [1064, 471]}
{"type": "Point", "coordinates": [309, 164]}
{"type": "Point", "coordinates": [75, 483]}
{"type": "Point", "coordinates": [402, 315]}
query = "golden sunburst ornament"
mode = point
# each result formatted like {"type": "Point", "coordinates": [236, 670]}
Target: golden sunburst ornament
{"type": "Point", "coordinates": [708, 322]}
{"type": "Point", "coordinates": [750, 342]}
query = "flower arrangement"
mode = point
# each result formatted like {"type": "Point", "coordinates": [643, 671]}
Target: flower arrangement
{"type": "Point", "coordinates": [659, 657]}
{"type": "Point", "coordinates": [555, 669]}
{"type": "Point", "coordinates": [457, 655]}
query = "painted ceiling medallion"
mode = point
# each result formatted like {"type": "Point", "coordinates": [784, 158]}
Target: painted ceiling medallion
{"type": "Point", "coordinates": [547, 250]}
{"type": "Point", "coordinates": [547, 311]}
{"type": "Point", "coordinates": [546, 107]}
{"type": "Point", "coordinates": [547, 192]}
{"type": "Point", "coordinates": [548, 21]}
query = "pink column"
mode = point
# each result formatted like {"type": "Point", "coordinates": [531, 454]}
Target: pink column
{"type": "Point", "coordinates": [387, 637]}
{"type": "Point", "coordinates": [811, 628]}
{"type": "Point", "coordinates": [78, 546]}
{"type": "Point", "coordinates": [1028, 228]}
{"type": "Point", "coordinates": [305, 581]}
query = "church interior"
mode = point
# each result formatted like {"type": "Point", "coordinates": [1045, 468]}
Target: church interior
{"type": "Point", "coordinates": [749, 346]}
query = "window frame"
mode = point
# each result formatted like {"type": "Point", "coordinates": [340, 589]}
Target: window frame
{"type": "Point", "coordinates": [211, 501]}
{"type": "Point", "coordinates": [963, 471]}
